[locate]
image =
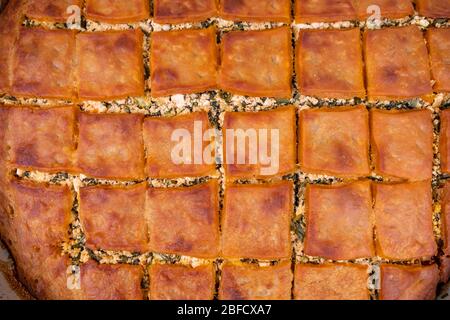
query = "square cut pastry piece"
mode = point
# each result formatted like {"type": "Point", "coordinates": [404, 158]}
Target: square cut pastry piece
{"type": "Point", "coordinates": [183, 11]}
{"type": "Point", "coordinates": [445, 141]}
{"type": "Point", "coordinates": [46, 277]}
{"type": "Point", "coordinates": [408, 282]}
{"type": "Point", "coordinates": [117, 11]}
{"type": "Point", "coordinates": [331, 282]}
{"type": "Point", "coordinates": [402, 143]}
{"type": "Point", "coordinates": [41, 138]}
{"type": "Point", "coordinates": [11, 19]}
{"type": "Point", "coordinates": [40, 226]}
{"type": "Point", "coordinates": [434, 8]}
{"type": "Point", "coordinates": [392, 9]}
{"type": "Point", "coordinates": [43, 64]}
{"type": "Point", "coordinates": [445, 218]}
{"type": "Point", "coordinates": [184, 157]}
{"type": "Point", "coordinates": [184, 221]}
{"type": "Point", "coordinates": [397, 65]}
{"type": "Point", "coordinates": [257, 63]}
{"type": "Point", "coordinates": [111, 146]}
{"type": "Point", "coordinates": [41, 218]}
{"type": "Point", "coordinates": [335, 141]}
{"type": "Point", "coordinates": [439, 47]}
{"type": "Point", "coordinates": [307, 11]}
{"type": "Point", "coordinates": [256, 10]}
{"type": "Point", "coordinates": [113, 217]}
{"type": "Point", "coordinates": [110, 65]}
{"type": "Point", "coordinates": [252, 282]}
{"type": "Point", "coordinates": [53, 10]}
{"type": "Point", "coordinates": [329, 63]}
{"type": "Point", "coordinates": [177, 282]}
{"type": "Point", "coordinates": [256, 221]}
{"type": "Point", "coordinates": [260, 144]}
{"type": "Point", "coordinates": [110, 282]}
{"type": "Point", "coordinates": [339, 221]}
{"type": "Point", "coordinates": [183, 61]}
{"type": "Point", "coordinates": [404, 221]}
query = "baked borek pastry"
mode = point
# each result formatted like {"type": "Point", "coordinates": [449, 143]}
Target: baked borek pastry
{"type": "Point", "coordinates": [330, 282]}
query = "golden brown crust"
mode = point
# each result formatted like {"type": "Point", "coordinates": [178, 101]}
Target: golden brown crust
{"type": "Point", "coordinates": [10, 24]}
{"type": "Point", "coordinates": [4, 149]}
{"type": "Point", "coordinates": [175, 282]}
{"type": "Point", "coordinates": [445, 269]}
{"type": "Point", "coordinates": [179, 11]}
{"type": "Point", "coordinates": [434, 8]}
{"type": "Point", "coordinates": [39, 225]}
{"type": "Point", "coordinates": [445, 141]}
{"type": "Point", "coordinates": [392, 9]}
{"type": "Point", "coordinates": [329, 63]}
{"type": "Point", "coordinates": [42, 139]}
{"type": "Point", "coordinates": [331, 282]}
{"type": "Point", "coordinates": [250, 282]}
{"type": "Point", "coordinates": [5, 62]}
{"type": "Point", "coordinates": [241, 125]}
{"type": "Point", "coordinates": [397, 64]}
{"type": "Point", "coordinates": [113, 218]}
{"type": "Point", "coordinates": [404, 221]}
{"type": "Point", "coordinates": [256, 10]}
{"type": "Point", "coordinates": [257, 63]}
{"type": "Point", "coordinates": [307, 11]}
{"type": "Point", "coordinates": [402, 143]}
{"type": "Point", "coordinates": [256, 221]}
{"type": "Point", "coordinates": [12, 15]}
{"type": "Point", "coordinates": [111, 145]}
{"type": "Point", "coordinates": [445, 218]}
{"type": "Point", "coordinates": [44, 64]}
{"type": "Point", "coordinates": [45, 275]}
{"type": "Point", "coordinates": [335, 141]}
{"type": "Point", "coordinates": [5, 208]}
{"type": "Point", "coordinates": [408, 283]}
{"type": "Point", "coordinates": [110, 65]}
{"type": "Point", "coordinates": [6, 213]}
{"type": "Point", "coordinates": [110, 282]}
{"type": "Point", "coordinates": [439, 47]}
{"type": "Point", "coordinates": [51, 10]}
{"type": "Point", "coordinates": [41, 216]}
{"type": "Point", "coordinates": [117, 11]}
{"type": "Point", "coordinates": [339, 221]}
{"type": "Point", "coordinates": [193, 71]}
{"type": "Point", "coordinates": [184, 221]}
{"type": "Point", "coordinates": [158, 133]}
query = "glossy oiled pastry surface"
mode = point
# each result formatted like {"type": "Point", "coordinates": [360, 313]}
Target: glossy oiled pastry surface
{"type": "Point", "coordinates": [257, 63]}
{"type": "Point", "coordinates": [184, 221]}
{"type": "Point", "coordinates": [282, 119]}
{"type": "Point", "coordinates": [335, 141]}
{"type": "Point", "coordinates": [329, 63]}
{"type": "Point", "coordinates": [330, 282]}
{"type": "Point", "coordinates": [333, 211]}
{"type": "Point", "coordinates": [347, 198]}
{"type": "Point", "coordinates": [193, 71]}
{"type": "Point", "coordinates": [256, 283]}
{"type": "Point", "coordinates": [397, 64]}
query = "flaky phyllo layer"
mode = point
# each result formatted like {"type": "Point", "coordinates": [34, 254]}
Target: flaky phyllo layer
{"type": "Point", "coordinates": [348, 199]}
